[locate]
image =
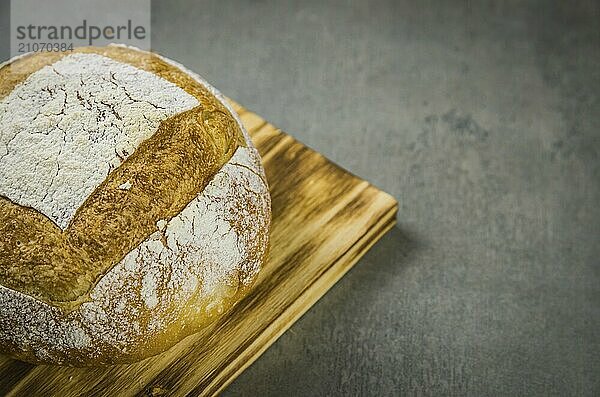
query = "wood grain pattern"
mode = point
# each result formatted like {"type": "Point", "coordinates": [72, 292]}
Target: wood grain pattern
{"type": "Point", "coordinates": [324, 220]}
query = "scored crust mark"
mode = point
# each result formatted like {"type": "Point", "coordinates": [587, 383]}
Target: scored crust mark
{"type": "Point", "coordinates": [166, 172]}
{"type": "Point", "coordinates": [162, 176]}
{"type": "Point", "coordinates": [69, 124]}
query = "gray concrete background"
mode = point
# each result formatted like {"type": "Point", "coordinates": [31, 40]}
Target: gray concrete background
{"type": "Point", "coordinates": [483, 121]}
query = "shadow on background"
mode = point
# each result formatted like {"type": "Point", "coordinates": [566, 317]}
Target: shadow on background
{"type": "Point", "coordinates": [347, 317]}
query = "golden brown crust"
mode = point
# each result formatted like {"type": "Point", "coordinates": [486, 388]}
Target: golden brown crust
{"type": "Point", "coordinates": [167, 171]}
{"type": "Point", "coordinates": [84, 302]}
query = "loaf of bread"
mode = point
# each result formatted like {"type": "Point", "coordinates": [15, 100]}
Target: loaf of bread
{"type": "Point", "coordinates": [134, 210]}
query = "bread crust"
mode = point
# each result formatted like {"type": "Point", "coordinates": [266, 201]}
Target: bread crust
{"type": "Point", "coordinates": [171, 238]}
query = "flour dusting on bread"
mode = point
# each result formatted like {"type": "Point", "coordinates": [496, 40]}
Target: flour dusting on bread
{"type": "Point", "coordinates": [95, 111]}
{"type": "Point", "coordinates": [69, 124]}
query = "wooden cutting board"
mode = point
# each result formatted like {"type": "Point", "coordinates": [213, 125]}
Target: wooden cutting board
{"type": "Point", "coordinates": [324, 220]}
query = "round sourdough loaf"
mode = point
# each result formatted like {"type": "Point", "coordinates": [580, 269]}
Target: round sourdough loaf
{"type": "Point", "coordinates": [134, 209]}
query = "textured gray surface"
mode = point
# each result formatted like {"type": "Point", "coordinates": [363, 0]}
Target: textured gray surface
{"type": "Point", "coordinates": [483, 121]}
